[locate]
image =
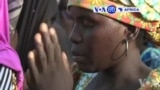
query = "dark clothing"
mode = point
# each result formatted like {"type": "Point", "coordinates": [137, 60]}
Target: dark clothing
{"type": "Point", "coordinates": [33, 13]}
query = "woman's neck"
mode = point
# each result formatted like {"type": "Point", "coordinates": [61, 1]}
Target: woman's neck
{"type": "Point", "coordinates": [128, 71]}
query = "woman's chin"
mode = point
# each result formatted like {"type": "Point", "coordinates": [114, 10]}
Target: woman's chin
{"type": "Point", "coordinates": [87, 68]}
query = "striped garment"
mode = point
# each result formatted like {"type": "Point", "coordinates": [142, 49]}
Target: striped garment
{"type": "Point", "coordinates": [15, 7]}
{"type": "Point", "coordinates": [7, 79]}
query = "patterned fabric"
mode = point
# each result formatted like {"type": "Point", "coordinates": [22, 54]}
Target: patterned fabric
{"type": "Point", "coordinates": [148, 18]}
{"type": "Point", "coordinates": [153, 81]}
{"type": "Point", "coordinates": [14, 82]}
{"type": "Point", "coordinates": [8, 79]}
{"type": "Point", "coordinates": [85, 80]}
{"type": "Point", "coordinates": [151, 57]}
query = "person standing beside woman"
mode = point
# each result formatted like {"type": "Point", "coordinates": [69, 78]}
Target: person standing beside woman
{"type": "Point", "coordinates": [14, 7]}
{"type": "Point", "coordinates": [11, 73]}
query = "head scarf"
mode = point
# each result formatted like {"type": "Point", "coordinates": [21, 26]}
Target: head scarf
{"type": "Point", "coordinates": [148, 18]}
{"type": "Point", "coordinates": [8, 56]}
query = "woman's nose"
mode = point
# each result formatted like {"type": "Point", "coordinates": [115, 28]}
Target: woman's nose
{"type": "Point", "coordinates": [75, 35]}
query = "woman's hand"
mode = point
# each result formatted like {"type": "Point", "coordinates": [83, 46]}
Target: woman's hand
{"type": "Point", "coordinates": [49, 68]}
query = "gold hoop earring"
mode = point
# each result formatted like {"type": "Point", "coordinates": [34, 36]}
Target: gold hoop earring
{"type": "Point", "coordinates": [126, 47]}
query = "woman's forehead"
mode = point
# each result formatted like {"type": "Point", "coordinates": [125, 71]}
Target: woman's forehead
{"type": "Point", "coordinates": [78, 10]}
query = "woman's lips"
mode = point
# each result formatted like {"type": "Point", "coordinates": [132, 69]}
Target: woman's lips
{"type": "Point", "coordinates": [78, 56]}
{"type": "Point", "coordinates": [78, 59]}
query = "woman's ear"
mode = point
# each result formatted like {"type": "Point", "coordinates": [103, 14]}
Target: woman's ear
{"type": "Point", "coordinates": [132, 35]}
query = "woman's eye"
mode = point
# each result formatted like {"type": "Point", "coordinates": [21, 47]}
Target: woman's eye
{"type": "Point", "coordinates": [87, 23]}
{"type": "Point", "coordinates": [68, 16]}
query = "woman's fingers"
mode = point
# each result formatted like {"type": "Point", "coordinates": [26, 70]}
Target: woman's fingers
{"type": "Point", "coordinates": [32, 64]}
{"type": "Point", "coordinates": [53, 63]}
{"type": "Point", "coordinates": [41, 55]}
{"type": "Point", "coordinates": [74, 67]}
{"type": "Point", "coordinates": [71, 68]}
{"type": "Point", "coordinates": [26, 81]}
{"type": "Point", "coordinates": [49, 47]}
{"type": "Point", "coordinates": [65, 62]}
{"type": "Point", "coordinates": [57, 49]}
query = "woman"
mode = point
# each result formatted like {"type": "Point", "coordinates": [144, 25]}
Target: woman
{"type": "Point", "coordinates": [107, 44]}
{"type": "Point", "coordinates": [11, 74]}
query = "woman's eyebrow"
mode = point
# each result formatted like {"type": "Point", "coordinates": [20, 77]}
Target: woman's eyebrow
{"type": "Point", "coordinates": [90, 15]}
{"type": "Point", "coordinates": [84, 14]}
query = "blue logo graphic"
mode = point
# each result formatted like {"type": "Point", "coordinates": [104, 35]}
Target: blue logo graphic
{"type": "Point", "coordinates": [120, 9]}
{"type": "Point", "coordinates": [111, 9]}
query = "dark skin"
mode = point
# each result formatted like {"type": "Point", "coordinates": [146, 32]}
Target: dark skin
{"type": "Point", "coordinates": [14, 39]}
{"type": "Point", "coordinates": [97, 44]}
{"type": "Point", "coordinates": [62, 38]}
{"type": "Point", "coordinates": [66, 21]}
{"type": "Point", "coordinates": [49, 67]}
{"type": "Point", "coordinates": [97, 47]}
{"type": "Point", "coordinates": [58, 74]}
{"type": "Point", "coordinates": [60, 26]}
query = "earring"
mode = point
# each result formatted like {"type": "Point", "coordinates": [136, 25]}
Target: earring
{"type": "Point", "coordinates": [126, 46]}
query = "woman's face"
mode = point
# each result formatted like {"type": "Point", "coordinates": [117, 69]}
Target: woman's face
{"type": "Point", "coordinates": [96, 40]}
